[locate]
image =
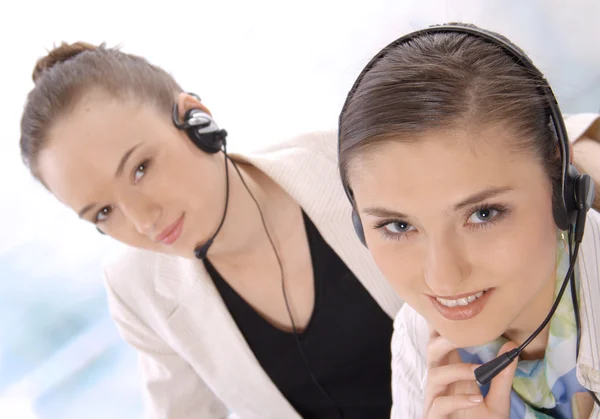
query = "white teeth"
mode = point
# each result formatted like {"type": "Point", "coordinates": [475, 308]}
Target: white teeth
{"type": "Point", "coordinates": [461, 301]}
{"type": "Point", "coordinates": [450, 303]}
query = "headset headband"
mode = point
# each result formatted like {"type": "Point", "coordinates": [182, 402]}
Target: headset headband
{"type": "Point", "coordinates": [513, 51]}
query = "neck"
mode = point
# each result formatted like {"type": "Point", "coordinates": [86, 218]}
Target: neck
{"type": "Point", "coordinates": [242, 240]}
{"type": "Point", "coordinates": [531, 319]}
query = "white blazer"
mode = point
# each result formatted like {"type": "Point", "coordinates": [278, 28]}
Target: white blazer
{"type": "Point", "coordinates": [411, 333]}
{"type": "Point", "coordinates": [194, 360]}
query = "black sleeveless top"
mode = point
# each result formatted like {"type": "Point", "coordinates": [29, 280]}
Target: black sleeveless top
{"type": "Point", "coordinates": [346, 342]}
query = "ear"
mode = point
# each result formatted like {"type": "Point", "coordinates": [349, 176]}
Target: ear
{"type": "Point", "coordinates": [185, 102]}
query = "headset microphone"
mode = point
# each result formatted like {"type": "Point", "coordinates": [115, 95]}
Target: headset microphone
{"type": "Point", "coordinates": [201, 251]}
{"type": "Point", "coordinates": [208, 137]}
{"type": "Point", "coordinates": [486, 372]}
{"type": "Point", "coordinates": [584, 197]}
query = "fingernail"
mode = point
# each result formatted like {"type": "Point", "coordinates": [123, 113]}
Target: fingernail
{"type": "Point", "coordinates": [476, 398]}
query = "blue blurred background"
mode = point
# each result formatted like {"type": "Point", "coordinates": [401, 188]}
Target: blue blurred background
{"type": "Point", "coordinates": [288, 63]}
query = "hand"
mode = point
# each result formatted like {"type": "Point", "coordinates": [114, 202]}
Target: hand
{"type": "Point", "coordinates": [451, 390]}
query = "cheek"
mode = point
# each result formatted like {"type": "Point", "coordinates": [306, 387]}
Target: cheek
{"type": "Point", "coordinates": [521, 249]}
{"type": "Point", "coordinates": [532, 259]}
{"type": "Point", "coordinates": [519, 253]}
{"type": "Point", "coordinates": [400, 265]}
{"type": "Point", "coordinates": [187, 177]}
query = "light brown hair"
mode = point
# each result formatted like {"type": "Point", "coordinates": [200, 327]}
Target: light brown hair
{"type": "Point", "coordinates": [69, 71]}
{"type": "Point", "coordinates": [442, 81]}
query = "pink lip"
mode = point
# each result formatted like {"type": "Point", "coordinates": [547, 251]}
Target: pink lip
{"type": "Point", "coordinates": [455, 297]}
{"type": "Point", "coordinates": [462, 312]}
{"type": "Point", "coordinates": [170, 234]}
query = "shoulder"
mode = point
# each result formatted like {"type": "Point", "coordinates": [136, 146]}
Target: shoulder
{"type": "Point", "coordinates": [411, 334]}
{"type": "Point", "coordinates": [323, 143]}
{"type": "Point", "coordinates": [588, 259]}
{"type": "Point", "coordinates": [130, 262]}
{"type": "Point", "coordinates": [582, 125]}
{"type": "Point", "coordinates": [594, 217]}
{"type": "Point", "coordinates": [409, 370]}
{"type": "Point", "coordinates": [146, 281]}
{"type": "Point", "coordinates": [592, 229]}
{"type": "Point", "coordinates": [591, 238]}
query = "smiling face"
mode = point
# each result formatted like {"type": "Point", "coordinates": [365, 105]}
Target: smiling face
{"type": "Point", "coordinates": [453, 214]}
{"type": "Point", "coordinates": [124, 166]}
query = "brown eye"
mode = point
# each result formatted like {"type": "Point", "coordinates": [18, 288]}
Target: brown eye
{"type": "Point", "coordinates": [103, 214]}
{"type": "Point", "coordinates": [140, 171]}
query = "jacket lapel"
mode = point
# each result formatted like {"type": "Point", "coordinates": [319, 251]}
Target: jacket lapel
{"type": "Point", "coordinates": [202, 330]}
{"type": "Point", "coordinates": [588, 365]}
{"type": "Point", "coordinates": [310, 176]}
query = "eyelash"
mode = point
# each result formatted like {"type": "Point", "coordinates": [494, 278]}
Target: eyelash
{"type": "Point", "coordinates": [146, 164]}
{"type": "Point", "coordinates": [501, 213]}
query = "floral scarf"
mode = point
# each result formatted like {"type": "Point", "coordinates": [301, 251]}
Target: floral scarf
{"type": "Point", "coordinates": [543, 388]}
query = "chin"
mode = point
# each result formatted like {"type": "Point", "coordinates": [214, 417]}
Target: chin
{"type": "Point", "coordinates": [464, 335]}
{"type": "Point", "coordinates": [465, 340]}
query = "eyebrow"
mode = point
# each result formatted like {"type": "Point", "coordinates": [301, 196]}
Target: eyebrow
{"type": "Point", "coordinates": [123, 161]}
{"type": "Point", "coordinates": [85, 209]}
{"type": "Point", "coordinates": [382, 212]}
{"type": "Point", "coordinates": [481, 196]}
{"type": "Point", "coordinates": [118, 173]}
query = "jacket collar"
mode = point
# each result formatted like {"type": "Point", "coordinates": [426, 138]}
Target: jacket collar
{"type": "Point", "coordinates": [588, 362]}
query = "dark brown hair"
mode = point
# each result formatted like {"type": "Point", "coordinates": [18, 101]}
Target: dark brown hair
{"type": "Point", "coordinates": [445, 81]}
{"type": "Point", "coordinates": [70, 71]}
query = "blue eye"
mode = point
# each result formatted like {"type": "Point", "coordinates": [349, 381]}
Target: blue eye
{"type": "Point", "coordinates": [103, 214]}
{"type": "Point", "coordinates": [398, 227]}
{"type": "Point", "coordinates": [483, 215]}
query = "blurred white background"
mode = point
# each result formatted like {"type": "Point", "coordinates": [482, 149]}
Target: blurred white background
{"type": "Point", "coordinates": [267, 69]}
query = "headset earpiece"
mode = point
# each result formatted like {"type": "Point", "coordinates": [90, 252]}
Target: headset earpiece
{"type": "Point", "coordinates": [201, 129]}
{"type": "Point", "coordinates": [566, 208]}
{"type": "Point", "coordinates": [358, 227]}
{"type": "Point", "coordinates": [585, 192]}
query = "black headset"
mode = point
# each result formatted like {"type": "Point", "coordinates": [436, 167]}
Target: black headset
{"type": "Point", "coordinates": [208, 137]}
{"type": "Point", "coordinates": [576, 190]}
{"type": "Point", "coordinates": [570, 204]}
{"type": "Point", "coordinates": [201, 128]}
{"type": "Point", "coordinates": [204, 133]}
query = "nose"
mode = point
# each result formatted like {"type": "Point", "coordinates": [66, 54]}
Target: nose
{"type": "Point", "coordinates": [446, 265]}
{"type": "Point", "coordinates": [143, 212]}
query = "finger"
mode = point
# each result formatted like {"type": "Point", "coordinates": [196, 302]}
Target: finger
{"type": "Point", "coordinates": [446, 405]}
{"type": "Point", "coordinates": [498, 398]}
{"type": "Point", "coordinates": [440, 377]}
{"type": "Point", "coordinates": [432, 332]}
{"type": "Point", "coordinates": [437, 349]}
{"type": "Point", "coordinates": [438, 380]}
